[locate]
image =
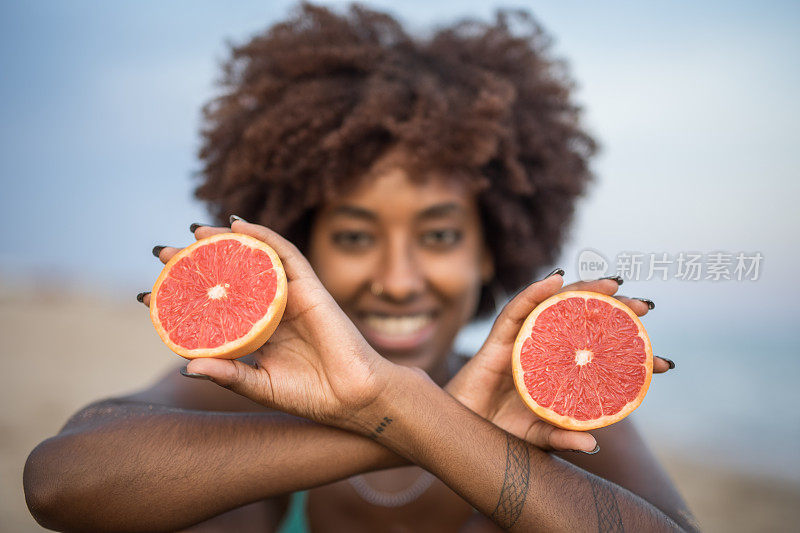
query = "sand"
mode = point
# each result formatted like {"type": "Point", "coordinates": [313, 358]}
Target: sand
{"type": "Point", "coordinates": [62, 350]}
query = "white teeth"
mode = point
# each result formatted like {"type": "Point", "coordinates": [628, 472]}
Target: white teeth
{"type": "Point", "coordinates": [400, 325]}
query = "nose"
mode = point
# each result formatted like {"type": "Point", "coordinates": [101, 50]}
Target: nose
{"type": "Point", "coordinates": [400, 274]}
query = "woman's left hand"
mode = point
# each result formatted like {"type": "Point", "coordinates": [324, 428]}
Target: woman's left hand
{"type": "Point", "coordinates": [486, 385]}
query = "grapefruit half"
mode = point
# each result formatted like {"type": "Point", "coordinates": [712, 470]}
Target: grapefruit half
{"type": "Point", "coordinates": [223, 297]}
{"type": "Point", "coordinates": [582, 360]}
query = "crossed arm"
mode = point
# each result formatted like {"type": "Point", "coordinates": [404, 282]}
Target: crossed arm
{"type": "Point", "coordinates": [134, 465]}
{"type": "Point", "coordinates": [126, 465]}
{"type": "Point", "coordinates": [140, 466]}
{"type": "Point", "coordinates": [515, 483]}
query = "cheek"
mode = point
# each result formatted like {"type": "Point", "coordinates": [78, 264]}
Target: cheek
{"type": "Point", "coordinates": [458, 279]}
{"type": "Point", "coordinates": [343, 276]}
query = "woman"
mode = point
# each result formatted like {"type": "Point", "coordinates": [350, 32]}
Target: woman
{"type": "Point", "coordinates": [418, 180]}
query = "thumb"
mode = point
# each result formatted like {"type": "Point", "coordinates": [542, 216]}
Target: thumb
{"type": "Point", "coordinates": [509, 321]}
{"type": "Point", "coordinates": [251, 382]}
{"type": "Point", "coordinates": [573, 441]}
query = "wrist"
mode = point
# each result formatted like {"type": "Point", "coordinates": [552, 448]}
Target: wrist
{"type": "Point", "coordinates": [399, 392]}
{"type": "Point", "coordinates": [409, 414]}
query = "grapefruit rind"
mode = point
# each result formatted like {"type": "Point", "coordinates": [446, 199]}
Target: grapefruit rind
{"type": "Point", "coordinates": [557, 419]}
{"type": "Point", "coordinates": [259, 333]}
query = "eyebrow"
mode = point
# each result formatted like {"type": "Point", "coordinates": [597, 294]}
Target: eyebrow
{"type": "Point", "coordinates": [440, 210]}
{"type": "Point", "coordinates": [434, 211]}
{"type": "Point", "coordinates": [356, 212]}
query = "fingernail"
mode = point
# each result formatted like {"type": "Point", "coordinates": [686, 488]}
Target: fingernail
{"type": "Point", "coordinates": [650, 303]}
{"type": "Point", "coordinates": [670, 362]}
{"type": "Point", "coordinates": [193, 374]}
{"type": "Point", "coordinates": [559, 271]}
{"type": "Point", "coordinates": [194, 226]}
{"type": "Point", "coordinates": [141, 295]}
{"type": "Point", "coordinates": [596, 449]}
{"type": "Point", "coordinates": [234, 218]}
{"type": "Point", "coordinates": [157, 250]}
{"type": "Point", "coordinates": [618, 279]}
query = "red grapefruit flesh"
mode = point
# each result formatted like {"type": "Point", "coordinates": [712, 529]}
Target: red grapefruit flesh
{"type": "Point", "coordinates": [223, 297]}
{"type": "Point", "coordinates": [582, 360]}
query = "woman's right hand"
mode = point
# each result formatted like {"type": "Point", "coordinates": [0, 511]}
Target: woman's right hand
{"type": "Point", "coordinates": [317, 364]}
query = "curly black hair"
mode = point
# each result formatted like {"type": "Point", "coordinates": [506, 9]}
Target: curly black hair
{"type": "Point", "coordinates": [311, 103]}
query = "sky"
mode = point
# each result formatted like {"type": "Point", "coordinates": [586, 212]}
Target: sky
{"type": "Point", "coordinates": [694, 108]}
{"type": "Point", "coordinates": [694, 104]}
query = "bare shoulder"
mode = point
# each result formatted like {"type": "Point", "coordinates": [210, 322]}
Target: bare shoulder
{"type": "Point", "coordinates": [171, 391]}
{"type": "Point", "coordinates": [175, 390]}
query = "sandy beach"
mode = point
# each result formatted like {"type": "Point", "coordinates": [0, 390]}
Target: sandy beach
{"type": "Point", "coordinates": [61, 350]}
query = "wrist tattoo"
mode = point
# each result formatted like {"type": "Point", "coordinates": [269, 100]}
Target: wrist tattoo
{"type": "Point", "coordinates": [381, 427]}
{"type": "Point", "coordinates": [515, 484]}
{"type": "Point", "coordinates": [608, 516]}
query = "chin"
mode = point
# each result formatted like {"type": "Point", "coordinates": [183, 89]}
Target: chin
{"type": "Point", "coordinates": [421, 358]}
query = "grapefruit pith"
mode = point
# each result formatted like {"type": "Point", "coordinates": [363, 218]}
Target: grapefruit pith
{"type": "Point", "coordinates": [582, 360]}
{"type": "Point", "coordinates": [223, 297]}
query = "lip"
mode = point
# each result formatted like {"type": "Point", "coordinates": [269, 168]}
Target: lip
{"type": "Point", "coordinates": [383, 342]}
{"type": "Point", "coordinates": [362, 312]}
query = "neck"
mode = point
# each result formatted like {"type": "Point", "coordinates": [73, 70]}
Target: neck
{"type": "Point", "coordinates": [442, 371]}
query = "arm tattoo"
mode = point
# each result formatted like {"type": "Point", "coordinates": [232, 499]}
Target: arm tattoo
{"type": "Point", "coordinates": [608, 517]}
{"type": "Point", "coordinates": [515, 483]}
{"type": "Point", "coordinates": [380, 427]}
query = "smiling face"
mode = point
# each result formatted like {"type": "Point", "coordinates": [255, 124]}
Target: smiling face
{"type": "Point", "coordinates": [404, 260]}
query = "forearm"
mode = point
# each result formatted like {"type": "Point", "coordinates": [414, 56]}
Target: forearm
{"type": "Point", "coordinates": [128, 466]}
{"type": "Point", "coordinates": [516, 484]}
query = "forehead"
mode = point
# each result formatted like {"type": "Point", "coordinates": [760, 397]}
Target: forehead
{"type": "Point", "coordinates": [391, 193]}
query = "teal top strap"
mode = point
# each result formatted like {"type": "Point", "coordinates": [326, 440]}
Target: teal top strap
{"type": "Point", "coordinates": [295, 519]}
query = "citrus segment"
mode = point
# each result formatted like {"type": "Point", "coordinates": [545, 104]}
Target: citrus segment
{"type": "Point", "coordinates": [220, 297]}
{"type": "Point", "coordinates": [582, 360]}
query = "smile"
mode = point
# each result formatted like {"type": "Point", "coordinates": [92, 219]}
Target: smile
{"type": "Point", "coordinates": [398, 325]}
{"type": "Point", "coordinates": [398, 332]}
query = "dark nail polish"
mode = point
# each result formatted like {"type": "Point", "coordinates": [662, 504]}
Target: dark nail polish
{"type": "Point", "coordinates": [559, 271]}
{"type": "Point", "coordinates": [193, 374]}
{"type": "Point", "coordinates": [194, 226]}
{"type": "Point", "coordinates": [670, 362]}
{"type": "Point", "coordinates": [650, 303]}
{"type": "Point", "coordinates": [141, 295]}
{"type": "Point", "coordinates": [596, 449]}
{"type": "Point", "coordinates": [618, 279]}
{"type": "Point", "coordinates": [234, 218]}
{"type": "Point", "coordinates": [157, 250]}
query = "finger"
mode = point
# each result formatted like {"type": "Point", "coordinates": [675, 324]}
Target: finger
{"type": "Point", "coordinates": [561, 439]}
{"type": "Point", "coordinates": [294, 263]}
{"type": "Point", "coordinates": [237, 376]}
{"type": "Point", "coordinates": [165, 253]}
{"type": "Point", "coordinates": [510, 319]}
{"type": "Point", "coordinates": [144, 297]}
{"type": "Point", "coordinates": [640, 306]}
{"type": "Point", "coordinates": [608, 287]}
{"type": "Point", "coordinates": [201, 232]}
{"type": "Point", "coordinates": [662, 364]}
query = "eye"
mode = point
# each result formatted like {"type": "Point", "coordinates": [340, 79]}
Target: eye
{"type": "Point", "coordinates": [441, 238]}
{"type": "Point", "coordinates": [353, 239]}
